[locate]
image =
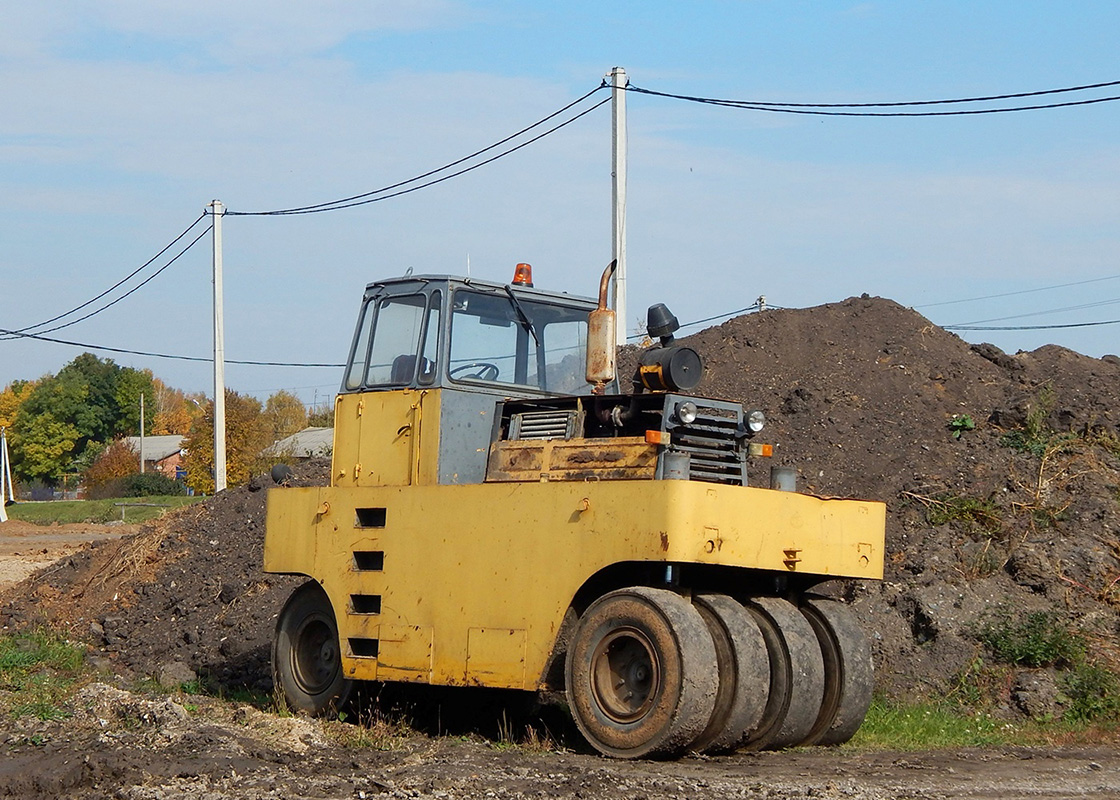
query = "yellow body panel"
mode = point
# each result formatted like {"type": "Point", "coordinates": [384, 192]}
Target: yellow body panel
{"type": "Point", "coordinates": [386, 438]}
{"type": "Point", "coordinates": [473, 581]}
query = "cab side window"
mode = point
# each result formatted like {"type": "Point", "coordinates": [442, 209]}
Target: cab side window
{"type": "Point", "coordinates": [357, 367]}
{"type": "Point", "coordinates": [396, 340]}
{"type": "Point", "coordinates": [430, 352]}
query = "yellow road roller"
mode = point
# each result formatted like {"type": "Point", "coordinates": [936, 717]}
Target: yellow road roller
{"type": "Point", "coordinates": [500, 514]}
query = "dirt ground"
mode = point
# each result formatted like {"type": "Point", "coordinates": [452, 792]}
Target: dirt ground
{"type": "Point", "coordinates": [26, 548]}
{"type": "Point", "coordinates": [861, 397]}
{"type": "Point", "coordinates": [119, 745]}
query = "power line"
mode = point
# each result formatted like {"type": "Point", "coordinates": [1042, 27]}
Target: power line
{"type": "Point", "coordinates": [134, 289]}
{"type": "Point", "coordinates": [114, 286]}
{"type": "Point", "coordinates": [1030, 327]}
{"type": "Point", "coordinates": [106, 348]}
{"type": "Point", "coordinates": [984, 99]}
{"type": "Point", "coordinates": [751, 307]}
{"type": "Point", "coordinates": [1079, 307]}
{"type": "Point", "coordinates": [1021, 291]}
{"type": "Point", "coordinates": [821, 109]}
{"type": "Point", "coordinates": [368, 197]}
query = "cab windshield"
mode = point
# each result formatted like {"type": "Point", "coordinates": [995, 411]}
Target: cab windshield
{"type": "Point", "coordinates": [496, 339]}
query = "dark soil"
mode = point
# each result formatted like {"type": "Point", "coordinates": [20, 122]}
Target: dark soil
{"type": "Point", "coordinates": [866, 399]}
{"type": "Point", "coordinates": [185, 595]}
{"type": "Point", "coordinates": [861, 396]}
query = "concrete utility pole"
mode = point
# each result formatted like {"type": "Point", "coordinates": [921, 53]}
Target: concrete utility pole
{"type": "Point", "coordinates": [141, 431]}
{"type": "Point", "coordinates": [216, 211]}
{"type": "Point", "coordinates": [618, 195]}
{"type": "Point", "coordinates": [6, 491]}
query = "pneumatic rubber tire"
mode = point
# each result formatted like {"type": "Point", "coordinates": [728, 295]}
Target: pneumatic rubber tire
{"type": "Point", "coordinates": [848, 673]}
{"type": "Point", "coordinates": [744, 673]}
{"type": "Point", "coordinates": [641, 674]}
{"type": "Point", "coordinates": [796, 674]}
{"type": "Point", "coordinates": [306, 660]}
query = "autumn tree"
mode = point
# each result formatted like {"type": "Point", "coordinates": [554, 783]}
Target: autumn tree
{"type": "Point", "coordinates": [175, 410]}
{"type": "Point", "coordinates": [246, 435]}
{"type": "Point", "coordinates": [118, 460]}
{"type": "Point", "coordinates": [10, 400]}
{"type": "Point", "coordinates": [284, 414]}
{"type": "Point", "coordinates": [321, 416]}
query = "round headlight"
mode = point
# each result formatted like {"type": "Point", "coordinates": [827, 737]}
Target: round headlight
{"type": "Point", "coordinates": [686, 412]}
{"type": "Point", "coordinates": [756, 421]}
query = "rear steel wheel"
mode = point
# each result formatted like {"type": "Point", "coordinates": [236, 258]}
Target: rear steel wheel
{"type": "Point", "coordinates": [641, 673]}
{"type": "Point", "coordinates": [744, 673]}
{"type": "Point", "coordinates": [848, 673]}
{"type": "Point", "coordinates": [796, 674]}
{"type": "Point", "coordinates": [306, 661]}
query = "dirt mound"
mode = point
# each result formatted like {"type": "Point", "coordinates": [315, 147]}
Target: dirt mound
{"type": "Point", "coordinates": [1000, 473]}
{"type": "Point", "coordinates": [1014, 457]}
{"type": "Point", "coordinates": [184, 597]}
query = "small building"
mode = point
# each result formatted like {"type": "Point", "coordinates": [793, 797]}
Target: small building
{"type": "Point", "coordinates": [162, 454]}
{"type": "Point", "coordinates": [303, 445]}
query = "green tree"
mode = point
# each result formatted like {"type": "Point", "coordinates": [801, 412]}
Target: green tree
{"type": "Point", "coordinates": [44, 446]}
{"type": "Point", "coordinates": [47, 432]}
{"type": "Point", "coordinates": [131, 384]}
{"type": "Point", "coordinates": [90, 401]}
{"type": "Point", "coordinates": [98, 415]}
{"type": "Point", "coordinates": [246, 435]}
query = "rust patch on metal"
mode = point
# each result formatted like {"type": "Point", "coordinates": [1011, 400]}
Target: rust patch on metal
{"type": "Point", "coordinates": [629, 458]}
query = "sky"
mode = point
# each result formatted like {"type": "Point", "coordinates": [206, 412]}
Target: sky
{"type": "Point", "coordinates": [121, 120]}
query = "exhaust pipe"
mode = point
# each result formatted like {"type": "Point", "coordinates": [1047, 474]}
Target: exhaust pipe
{"type": "Point", "coordinates": [601, 342]}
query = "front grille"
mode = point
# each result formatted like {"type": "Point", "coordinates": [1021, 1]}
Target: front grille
{"type": "Point", "coordinates": [542, 425]}
{"type": "Point", "coordinates": [714, 453]}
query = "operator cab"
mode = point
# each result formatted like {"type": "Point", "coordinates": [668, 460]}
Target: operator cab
{"type": "Point", "coordinates": [432, 358]}
{"type": "Point", "coordinates": [439, 331]}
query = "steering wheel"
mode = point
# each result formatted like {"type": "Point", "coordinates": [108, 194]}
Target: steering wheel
{"type": "Point", "coordinates": [479, 370]}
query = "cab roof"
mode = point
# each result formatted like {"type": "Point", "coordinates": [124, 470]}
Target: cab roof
{"type": "Point", "coordinates": [478, 283]}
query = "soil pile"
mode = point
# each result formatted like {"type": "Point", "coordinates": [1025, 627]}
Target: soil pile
{"type": "Point", "coordinates": [181, 600]}
{"type": "Point", "coordinates": [1000, 473]}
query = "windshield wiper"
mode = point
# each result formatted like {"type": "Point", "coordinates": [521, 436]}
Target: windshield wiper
{"type": "Point", "coordinates": [528, 323]}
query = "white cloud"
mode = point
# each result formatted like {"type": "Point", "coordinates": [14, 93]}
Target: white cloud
{"type": "Point", "coordinates": [207, 35]}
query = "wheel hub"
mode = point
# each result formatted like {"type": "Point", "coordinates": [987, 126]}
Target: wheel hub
{"type": "Point", "coordinates": [625, 675]}
{"type": "Point", "coordinates": [314, 656]}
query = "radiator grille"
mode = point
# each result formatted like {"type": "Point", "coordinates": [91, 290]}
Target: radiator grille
{"type": "Point", "coordinates": [713, 450]}
{"type": "Point", "coordinates": [542, 425]}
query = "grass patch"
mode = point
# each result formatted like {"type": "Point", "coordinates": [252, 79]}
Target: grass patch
{"type": "Point", "coordinates": [932, 726]}
{"type": "Point", "coordinates": [1092, 692]}
{"type": "Point", "coordinates": [1034, 436]}
{"type": "Point", "coordinates": [1040, 639]}
{"type": "Point", "coordinates": [38, 671]}
{"type": "Point", "coordinates": [65, 512]}
{"type": "Point", "coordinates": [944, 725]}
{"type": "Point", "coordinates": [973, 513]}
{"type": "Point", "coordinates": [1089, 687]}
{"type": "Point", "coordinates": [368, 731]}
